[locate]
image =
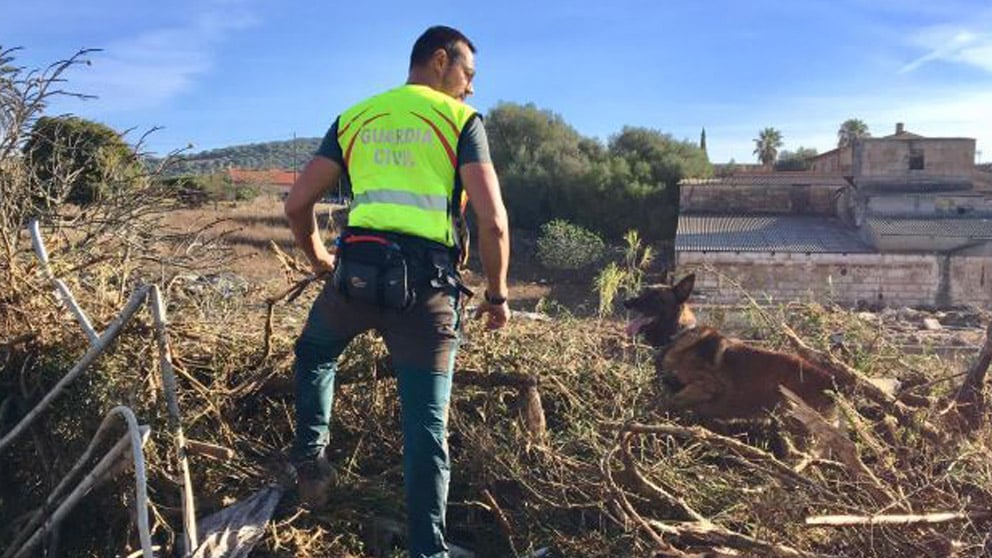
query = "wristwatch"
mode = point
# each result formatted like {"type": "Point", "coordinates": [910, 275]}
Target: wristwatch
{"type": "Point", "coordinates": [494, 300]}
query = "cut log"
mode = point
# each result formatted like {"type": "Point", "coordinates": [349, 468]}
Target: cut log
{"type": "Point", "coordinates": [213, 451]}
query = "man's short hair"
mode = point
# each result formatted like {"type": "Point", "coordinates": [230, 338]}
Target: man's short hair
{"type": "Point", "coordinates": [438, 36]}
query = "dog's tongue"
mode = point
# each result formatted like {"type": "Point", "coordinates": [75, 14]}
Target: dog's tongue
{"type": "Point", "coordinates": [634, 326]}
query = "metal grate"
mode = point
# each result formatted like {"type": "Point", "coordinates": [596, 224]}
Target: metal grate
{"type": "Point", "coordinates": [725, 233]}
{"type": "Point", "coordinates": [970, 228]}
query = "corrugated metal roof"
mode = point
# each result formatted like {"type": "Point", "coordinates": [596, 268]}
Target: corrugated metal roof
{"type": "Point", "coordinates": [725, 233]}
{"type": "Point", "coordinates": [970, 228]}
{"type": "Point", "coordinates": [779, 178]}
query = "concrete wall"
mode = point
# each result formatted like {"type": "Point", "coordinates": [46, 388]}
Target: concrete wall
{"type": "Point", "coordinates": [836, 161]}
{"type": "Point", "coordinates": [929, 205]}
{"type": "Point", "coordinates": [945, 160]}
{"type": "Point", "coordinates": [873, 279]}
{"type": "Point", "coordinates": [972, 276]}
{"type": "Point", "coordinates": [902, 243]}
{"type": "Point", "coordinates": [795, 199]}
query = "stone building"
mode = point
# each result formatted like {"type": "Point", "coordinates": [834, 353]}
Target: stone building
{"type": "Point", "coordinates": [899, 220]}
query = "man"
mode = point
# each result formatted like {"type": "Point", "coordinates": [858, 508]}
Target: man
{"type": "Point", "coordinates": [408, 153]}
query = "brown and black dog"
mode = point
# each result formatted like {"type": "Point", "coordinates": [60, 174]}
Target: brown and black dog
{"type": "Point", "coordinates": [712, 375]}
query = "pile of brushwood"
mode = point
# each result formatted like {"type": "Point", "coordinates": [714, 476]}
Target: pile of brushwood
{"type": "Point", "coordinates": [117, 325]}
{"type": "Point", "coordinates": [130, 329]}
{"type": "Point", "coordinates": [558, 444]}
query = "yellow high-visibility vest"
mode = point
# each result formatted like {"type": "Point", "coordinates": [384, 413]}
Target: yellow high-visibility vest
{"type": "Point", "coordinates": [400, 149]}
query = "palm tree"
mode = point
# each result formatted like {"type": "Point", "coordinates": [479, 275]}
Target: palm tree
{"type": "Point", "coordinates": [766, 145]}
{"type": "Point", "coordinates": [852, 129]}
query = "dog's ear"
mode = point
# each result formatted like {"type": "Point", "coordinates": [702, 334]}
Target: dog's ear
{"type": "Point", "coordinates": [683, 289]}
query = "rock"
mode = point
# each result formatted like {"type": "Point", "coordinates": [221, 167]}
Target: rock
{"type": "Point", "coordinates": [932, 324]}
{"type": "Point", "coordinates": [868, 317]}
{"type": "Point", "coordinates": [963, 318]}
{"type": "Point", "coordinates": [908, 314]}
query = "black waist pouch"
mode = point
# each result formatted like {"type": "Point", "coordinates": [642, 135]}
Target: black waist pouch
{"type": "Point", "coordinates": [373, 269]}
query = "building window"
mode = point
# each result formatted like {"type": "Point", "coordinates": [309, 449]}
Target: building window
{"type": "Point", "coordinates": [915, 159]}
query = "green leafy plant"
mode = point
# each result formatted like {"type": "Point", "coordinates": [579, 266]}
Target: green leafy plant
{"type": "Point", "coordinates": [566, 246]}
{"type": "Point", "coordinates": [628, 279]}
{"type": "Point", "coordinates": [609, 281]}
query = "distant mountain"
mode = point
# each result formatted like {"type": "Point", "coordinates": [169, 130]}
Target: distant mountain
{"type": "Point", "coordinates": [268, 155]}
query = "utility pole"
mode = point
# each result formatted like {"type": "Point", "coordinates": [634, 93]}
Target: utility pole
{"type": "Point", "coordinates": [294, 157]}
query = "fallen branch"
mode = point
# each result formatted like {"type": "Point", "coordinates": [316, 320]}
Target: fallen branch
{"type": "Point", "coordinates": [651, 490]}
{"type": "Point", "coordinates": [290, 294]}
{"type": "Point", "coordinates": [175, 423]}
{"type": "Point", "coordinates": [846, 375]}
{"type": "Point", "coordinates": [706, 436]}
{"type": "Point", "coordinates": [837, 442]}
{"type": "Point", "coordinates": [970, 399]}
{"type": "Point", "coordinates": [713, 535]}
{"type": "Point", "coordinates": [501, 520]}
{"type": "Point", "coordinates": [700, 531]}
{"type": "Point", "coordinates": [909, 519]}
{"type": "Point", "coordinates": [94, 351]}
{"type": "Point", "coordinates": [663, 547]}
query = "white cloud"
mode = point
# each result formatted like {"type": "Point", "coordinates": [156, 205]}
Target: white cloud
{"type": "Point", "coordinates": [967, 43]}
{"type": "Point", "coordinates": [152, 67]}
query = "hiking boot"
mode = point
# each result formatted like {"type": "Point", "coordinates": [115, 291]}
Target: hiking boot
{"type": "Point", "coordinates": [314, 479]}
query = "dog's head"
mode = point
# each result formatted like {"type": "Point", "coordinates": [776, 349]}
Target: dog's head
{"type": "Point", "coordinates": [660, 311]}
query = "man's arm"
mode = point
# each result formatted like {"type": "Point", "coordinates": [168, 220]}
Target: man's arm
{"type": "Point", "coordinates": [482, 186]}
{"type": "Point", "coordinates": [319, 175]}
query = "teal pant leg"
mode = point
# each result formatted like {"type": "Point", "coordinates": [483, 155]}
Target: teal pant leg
{"type": "Point", "coordinates": [424, 396]}
{"type": "Point", "coordinates": [317, 351]}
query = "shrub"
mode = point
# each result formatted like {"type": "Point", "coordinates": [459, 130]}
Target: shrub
{"type": "Point", "coordinates": [196, 190]}
{"type": "Point", "coordinates": [80, 160]}
{"type": "Point", "coordinates": [563, 245]}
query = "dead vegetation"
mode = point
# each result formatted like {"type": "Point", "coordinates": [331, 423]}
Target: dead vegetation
{"type": "Point", "coordinates": [557, 447]}
{"type": "Point", "coordinates": [606, 476]}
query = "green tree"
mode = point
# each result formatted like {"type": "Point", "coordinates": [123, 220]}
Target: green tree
{"type": "Point", "coordinates": [549, 171]}
{"type": "Point", "coordinates": [798, 160]}
{"type": "Point", "coordinates": [79, 160]}
{"type": "Point", "coordinates": [766, 145]}
{"type": "Point", "coordinates": [852, 129]}
{"type": "Point", "coordinates": [543, 163]}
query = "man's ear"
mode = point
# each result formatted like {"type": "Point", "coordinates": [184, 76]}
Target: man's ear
{"type": "Point", "coordinates": [683, 289]}
{"type": "Point", "coordinates": [439, 59]}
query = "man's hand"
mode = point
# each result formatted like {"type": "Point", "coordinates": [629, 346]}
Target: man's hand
{"type": "Point", "coordinates": [496, 314]}
{"type": "Point", "coordinates": [323, 263]}
{"type": "Point", "coordinates": [319, 175]}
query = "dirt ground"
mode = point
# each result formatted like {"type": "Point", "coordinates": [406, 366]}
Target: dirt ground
{"type": "Point", "coordinates": [249, 228]}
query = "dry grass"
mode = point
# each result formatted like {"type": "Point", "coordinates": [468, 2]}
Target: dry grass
{"type": "Point", "coordinates": [246, 228]}
{"type": "Point", "coordinates": [573, 490]}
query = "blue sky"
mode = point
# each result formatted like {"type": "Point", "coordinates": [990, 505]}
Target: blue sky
{"type": "Point", "coordinates": [219, 72]}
